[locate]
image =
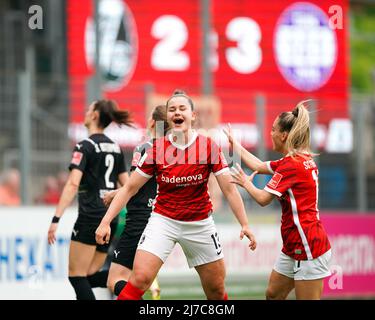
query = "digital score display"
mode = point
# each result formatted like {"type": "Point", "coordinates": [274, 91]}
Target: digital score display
{"type": "Point", "coordinates": [284, 50]}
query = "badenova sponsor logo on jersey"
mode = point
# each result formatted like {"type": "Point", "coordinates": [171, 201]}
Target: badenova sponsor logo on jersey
{"type": "Point", "coordinates": [118, 45]}
{"type": "Point", "coordinates": [305, 46]}
{"type": "Point", "coordinates": [193, 179]}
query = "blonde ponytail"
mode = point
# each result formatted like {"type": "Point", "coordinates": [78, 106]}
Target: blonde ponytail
{"type": "Point", "coordinates": [297, 124]}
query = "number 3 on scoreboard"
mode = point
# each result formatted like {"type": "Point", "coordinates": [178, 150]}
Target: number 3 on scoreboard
{"type": "Point", "coordinates": [246, 57]}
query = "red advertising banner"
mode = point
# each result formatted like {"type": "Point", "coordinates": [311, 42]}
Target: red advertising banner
{"type": "Point", "coordinates": [284, 50]}
{"type": "Point", "coordinates": [353, 255]}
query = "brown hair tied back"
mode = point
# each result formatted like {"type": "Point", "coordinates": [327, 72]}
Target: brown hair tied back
{"type": "Point", "coordinates": [159, 114]}
{"type": "Point", "coordinates": [109, 111]}
{"type": "Point", "coordinates": [181, 93]}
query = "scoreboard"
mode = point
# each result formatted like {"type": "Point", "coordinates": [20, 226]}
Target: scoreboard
{"type": "Point", "coordinates": [282, 49]}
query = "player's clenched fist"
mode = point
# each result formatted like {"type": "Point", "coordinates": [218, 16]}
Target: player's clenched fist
{"type": "Point", "coordinates": [103, 233]}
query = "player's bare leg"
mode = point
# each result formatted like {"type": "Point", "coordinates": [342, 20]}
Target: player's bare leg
{"type": "Point", "coordinates": [309, 289]}
{"type": "Point", "coordinates": [97, 278]}
{"type": "Point", "coordinates": [145, 268]}
{"type": "Point", "coordinates": [279, 286]}
{"type": "Point", "coordinates": [80, 258]}
{"type": "Point", "coordinates": [117, 272]}
{"type": "Point", "coordinates": [97, 262]}
{"type": "Point", "coordinates": [212, 277]}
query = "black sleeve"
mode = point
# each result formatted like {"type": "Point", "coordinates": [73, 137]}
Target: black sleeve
{"type": "Point", "coordinates": [80, 156]}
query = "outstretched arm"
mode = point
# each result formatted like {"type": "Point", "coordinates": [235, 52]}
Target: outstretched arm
{"type": "Point", "coordinates": [66, 198]}
{"type": "Point", "coordinates": [108, 196]}
{"type": "Point", "coordinates": [262, 197]}
{"type": "Point", "coordinates": [135, 182]}
{"type": "Point", "coordinates": [251, 161]}
{"type": "Point", "coordinates": [123, 178]}
{"type": "Point", "coordinates": [237, 206]}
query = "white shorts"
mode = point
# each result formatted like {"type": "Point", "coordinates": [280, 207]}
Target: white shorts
{"type": "Point", "coordinates": [198, 239]}
{"type": "Point", "coordinates": [305, 269]}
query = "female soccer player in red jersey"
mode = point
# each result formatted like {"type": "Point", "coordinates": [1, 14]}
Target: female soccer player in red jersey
{"type": "Point", "coordinates": [304, 260]}
{"type": "Point", "coordinates": [182, 162]}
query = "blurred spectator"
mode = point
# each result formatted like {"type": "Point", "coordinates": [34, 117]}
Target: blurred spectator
{"type": "Point", "coordinates": [52, 191]}
{"type": "Point", "coordinates": [9, 188]}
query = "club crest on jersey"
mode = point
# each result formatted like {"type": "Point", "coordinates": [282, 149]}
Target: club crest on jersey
{"type": "Point", "coordinates": [77, 158]}
{"type": "Point", "coordinates": [276, 178]}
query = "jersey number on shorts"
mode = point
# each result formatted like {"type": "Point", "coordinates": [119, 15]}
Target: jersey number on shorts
{"type": "Point", "coordinates": [109, 163]}
{"type": "Point", "coordinates": [215, 239]}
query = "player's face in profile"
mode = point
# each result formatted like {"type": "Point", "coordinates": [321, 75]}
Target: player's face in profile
{"type": "Point", "coordinates": [278, 137]}
{"type": "Point", "coordinates": [88, 115]}
{"type": "Point", "coordinates": [179, 114]}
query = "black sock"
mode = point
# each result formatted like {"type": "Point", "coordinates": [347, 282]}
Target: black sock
{"type": "Point", "coordinates": [98, 279]}
{"type": "Point", "coordinates": [82, 288]}
{"type": "Point", "coordinates": [119, 286]}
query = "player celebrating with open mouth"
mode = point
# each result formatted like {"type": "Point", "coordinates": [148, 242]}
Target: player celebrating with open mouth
{"type": "Point", "coordinates": [182, 162]}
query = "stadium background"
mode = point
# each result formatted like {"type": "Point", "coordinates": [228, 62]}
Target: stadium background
{"type": "Point", "coordinates": [243, 62]}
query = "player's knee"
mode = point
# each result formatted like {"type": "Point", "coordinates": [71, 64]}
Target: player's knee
{"type": "Point", "coordinates": [141, 280]}
{"type": "Point", "coordinates": [216, 292]}
{"type": "Point", "coordinates": [269, 294]}
{"type": "Point", "coordinates": [111, 284]}
{"type": "Point", "coordinates": [273, 295]}
{"type": "Point", "coordinates": [92, 271]}
{"type": "Point", "coordinates": [73, 271]}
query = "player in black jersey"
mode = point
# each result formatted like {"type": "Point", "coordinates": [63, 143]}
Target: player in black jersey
{"type": "Point", "coordinates": [138, 211]}
{"type": "Point", "coordinates": [97, 166]}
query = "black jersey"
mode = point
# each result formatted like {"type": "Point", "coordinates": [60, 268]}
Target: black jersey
{"type": "Point", "coordinates": [143, 200]}
{"type": "Point", "coordinates": [101, 160]}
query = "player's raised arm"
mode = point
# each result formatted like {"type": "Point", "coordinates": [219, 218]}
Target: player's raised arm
{"type": "Point", "coordinates": [262, 197]}
{"type": "Point", "coordinates": [247, 157]}
{"type": "Point", "coordinates": [135, 182]}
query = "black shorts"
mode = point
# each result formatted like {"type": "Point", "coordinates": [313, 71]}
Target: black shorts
{"type": "Point", "coordinates": [84, 232]}
{"type": "Point", "coordinates": [128, 243]}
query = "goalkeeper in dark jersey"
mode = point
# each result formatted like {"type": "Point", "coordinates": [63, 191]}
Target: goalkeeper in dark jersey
{"type": "Point", "coordinates": [138, 212]}
{"type": "Point", "coordinates": [97, 167]}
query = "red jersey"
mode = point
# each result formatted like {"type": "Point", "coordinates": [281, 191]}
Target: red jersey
{"type": "Point", "coordinates": [295, 183]}
{"type": "Point", "coordinates": [182, 174]}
